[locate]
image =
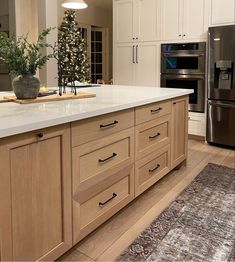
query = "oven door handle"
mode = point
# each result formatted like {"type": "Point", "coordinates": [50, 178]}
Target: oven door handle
{"type": "Point", "coordinates": [184, 55]}
{"type": "Point", "coordinates": [182, 77]}
{"type": "Point", "coordinates": [220, 104]}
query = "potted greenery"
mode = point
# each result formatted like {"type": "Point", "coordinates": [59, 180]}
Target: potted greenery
{"type": "Point", "coordinates": [23, 59]}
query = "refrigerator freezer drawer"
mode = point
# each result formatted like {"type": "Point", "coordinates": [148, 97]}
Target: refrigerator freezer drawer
{"type": "Point", "coordinates": [221, 123]}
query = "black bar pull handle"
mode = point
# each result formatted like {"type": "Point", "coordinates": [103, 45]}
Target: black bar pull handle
{"type": "Point", "coordinates": [153, 170]}
{"type": "Point", "coordinates": [106, 202]}
{"type": "Point", "coordinates": [157, 135]}
{"type": "Point", "coordinates": [153, 111]}
{"type": "Point", "coordinates": [133, 54]}
{"type": "Point", "coordinates": [109, 125]}
{"type": "Point", "coordinates": [107, 159]}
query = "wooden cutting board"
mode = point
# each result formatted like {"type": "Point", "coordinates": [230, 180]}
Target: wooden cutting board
{"type": "Point", "coordinates": [68, 96]}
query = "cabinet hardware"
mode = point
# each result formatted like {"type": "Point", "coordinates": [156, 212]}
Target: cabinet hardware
{"type": "Point", "coordinates": [40, 135]}
{"type": "Point", "coordinates": [174, 103]}
{"type": "Point", "coordinates": [184, 35]}
{"type": "Point", "coordinates": [180, 35]}
{"type": "Point", "coordinates": [107, 159]}
{"type": "Point", "coordinates": [109, 125]}
{"type": "Point", "coordinates": [133, 54]}
{"type": "Point", "coordinates": [106, 202]}
{"type": "Point", "coordinates": [153, 170]}
{"type": "Point", "coordinates": [157, 135]}
{"type": "Point", "coordinates": [137, 54]}
{"type": "Point", "coordinates": [153, 111]}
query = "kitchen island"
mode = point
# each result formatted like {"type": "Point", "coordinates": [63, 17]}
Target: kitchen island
{"type": "Point", "coordinates": [66, 167]}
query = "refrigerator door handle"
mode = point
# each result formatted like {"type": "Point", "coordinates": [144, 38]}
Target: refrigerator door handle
{"type": "Point", "coordinates": [221, 104]}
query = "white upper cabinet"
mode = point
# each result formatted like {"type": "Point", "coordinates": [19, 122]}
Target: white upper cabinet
{"type": "Point", "coordinates": [123, 21]}
{"type": "Point", "coordinates": [147, 20]}
{"type": "Point", "coordinates": [222, 12]}
{"type": "Point", "coordinates": [171, 24]}
{"type": "Point", "coordinates": [183, 19]}
{"type": "Point", "coordinates": [194, 19]}
{"type": "Point", "coordinates": [136, 20]}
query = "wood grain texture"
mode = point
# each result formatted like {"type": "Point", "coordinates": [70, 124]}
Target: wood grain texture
{"type": "Point", "coordinates": [179, 145]}
{"type": "Point", "coordinates": [144, 144]}
{"type": "Point", "coordinates": [88, 130]}
{"type": "Point", "coordinates": [68, 96]}
{"type": "Point", "coordinates": [39, 172]}
{"type": "Point", "coordinates": [110, 239]}
{"type": "Point", "coordinates": [152, 111]}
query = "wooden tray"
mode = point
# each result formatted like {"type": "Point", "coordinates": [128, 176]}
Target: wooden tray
{"type": "Point", "coordinates": [68, 96]}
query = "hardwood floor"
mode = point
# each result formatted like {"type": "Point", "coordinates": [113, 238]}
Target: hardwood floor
{"type": "Point", "coordinates": [110, 239]}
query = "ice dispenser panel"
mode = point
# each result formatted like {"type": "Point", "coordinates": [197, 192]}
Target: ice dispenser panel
{"type": "Point", "coordinates": [223, 74]}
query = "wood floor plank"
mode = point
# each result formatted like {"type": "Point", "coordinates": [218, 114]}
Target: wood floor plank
{"type": "Point", "coordinates": [109, 240]}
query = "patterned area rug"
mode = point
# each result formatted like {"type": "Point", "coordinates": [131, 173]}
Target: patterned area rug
{"type": "Point", "coordinates": [198, 226]}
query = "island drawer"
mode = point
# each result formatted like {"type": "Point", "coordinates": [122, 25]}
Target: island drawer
{"type": "Point", "coordinates": [98, 127]}
{"type": "Point", "coordinates": [152, 135]}
{"type": "Point", "coordinates": [93, 206]}
{"type": "Point", "coordinates": [152, 111]}
{"type": "Point", "coordinates": [107, 155]}
{"type": "Point", "coordinates": [151, 168]}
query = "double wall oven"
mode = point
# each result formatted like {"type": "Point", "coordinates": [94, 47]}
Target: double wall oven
{"type": "Point", "coordinates": [183, 66]}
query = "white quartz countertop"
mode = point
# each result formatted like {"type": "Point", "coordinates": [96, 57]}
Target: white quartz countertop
{"type": "Point", "coordinates": [17, 119]}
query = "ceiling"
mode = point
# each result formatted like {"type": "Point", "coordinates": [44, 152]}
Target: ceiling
{"type": "Point", "coordinates": [105, 4]}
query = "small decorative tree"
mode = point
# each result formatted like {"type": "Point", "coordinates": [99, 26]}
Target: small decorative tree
{"type": "Point", "coordinates": [72, 50]}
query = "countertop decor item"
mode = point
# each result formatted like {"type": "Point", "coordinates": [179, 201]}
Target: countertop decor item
{"type": "Point", "coordinates": [51, 97]}
{"type": "Point", "coordinates": [71, 52]}
{"type": "Point", "coordinates": [23, 59]}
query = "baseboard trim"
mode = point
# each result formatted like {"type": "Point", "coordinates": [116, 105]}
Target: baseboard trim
{"type": "Point", "coordinates": [195, 137]}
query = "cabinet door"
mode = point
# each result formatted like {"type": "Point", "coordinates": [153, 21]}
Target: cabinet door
{"type": "Point", "coordinates": [222, 12]}
{"type": "Point", "coordinates": [124, 59]}
{"type": "Point", "coordinates": [193, 28]}
{"type": "Point", "coordinates": [171, 19]}
{"type": "Point", "coordinates": [123, 21]}
{"type": "Point", "coordinates": [147, 20]}
{"type": "Point", "coordinates": [147, 68]}
{"type": "Point", "coordinates": [179, 131]}
{"type": "Point", "coordinates": [36, 193]}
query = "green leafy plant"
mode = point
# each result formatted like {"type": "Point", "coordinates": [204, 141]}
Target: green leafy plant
{"type": "Point", "coordinates": [22, 57]}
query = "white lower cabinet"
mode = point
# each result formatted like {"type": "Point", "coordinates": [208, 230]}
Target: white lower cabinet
{"type": "Point", "coordinates": [197, 124]}
{"type": "Point", "coordinates": [137, 64]}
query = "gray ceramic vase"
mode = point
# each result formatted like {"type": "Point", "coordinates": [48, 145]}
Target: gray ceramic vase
{"type": "Point", "coordinates": [26, 86]}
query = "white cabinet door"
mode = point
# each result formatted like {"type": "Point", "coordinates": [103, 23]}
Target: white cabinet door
{"type": "Point", "coordinates": [147, 18]}
{"type": "Point", "coordinates": [193, 22]}
{"type": "Point", "coordinates": [124, 55]}
{"type": "Point", "coordinates": [223, 12]}
{"type": "Point", "coordinates": [147, 69]}
{"type": "Point", "coordinates": [123, 21]}
{"type": "Point", "coordinates": [171, 19]}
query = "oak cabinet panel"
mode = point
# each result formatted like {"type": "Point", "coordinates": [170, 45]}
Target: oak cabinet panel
{"type": "Point", "coordinates": [38, 178]}
{"type": "Point", "coordinates": [179, 144]}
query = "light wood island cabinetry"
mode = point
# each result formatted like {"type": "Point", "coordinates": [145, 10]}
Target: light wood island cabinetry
{"type": "Point", "coordinates": [60, 183]}
{"type": "Point", "coordinates": [35, 190]}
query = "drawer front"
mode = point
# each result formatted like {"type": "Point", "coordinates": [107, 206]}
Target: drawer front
{"type": "Point", "coordinates": [152, 168]}
{"type": "Point", "coordinates": [102, 126]}
{"type": "Point", "coordinates": [106, 155]}
{"type": "Point", "coordinates": [152, 111]}
{"type": "Point", "coordinates": [94, 206]}
{"type": "Point", "coordinates": [152, 136]}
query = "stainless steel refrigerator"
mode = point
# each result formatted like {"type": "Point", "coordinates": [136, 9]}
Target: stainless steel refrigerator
{"type": "Point", "coordinates": [221, 86]}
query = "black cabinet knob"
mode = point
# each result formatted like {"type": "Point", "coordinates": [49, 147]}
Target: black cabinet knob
{"type": "Point", "coordinates": [40, 135]}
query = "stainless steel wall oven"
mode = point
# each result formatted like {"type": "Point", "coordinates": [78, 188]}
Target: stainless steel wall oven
{"type": "Point", "coordinates": [183, 66]}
